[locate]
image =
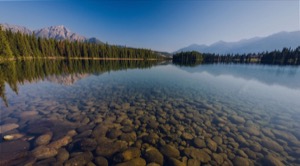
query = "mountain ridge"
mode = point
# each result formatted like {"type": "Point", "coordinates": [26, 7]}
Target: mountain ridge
{"type": "Point", "coordinates": [59, 32]}
{"type": "Point", "coordinates": [276, 41]}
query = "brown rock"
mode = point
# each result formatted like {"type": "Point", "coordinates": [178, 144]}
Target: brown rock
{"type": "Point", "coordinates": [212, 145]}
{"type": "Point", "coordinates": [170, 151]}
{"type": "Point", "coordinates": [174, 162]}
{"type": "Point", "coordinates": [60, 142]}
{"type": "Point", "coordinates": [8, 127]}
{"type": "Point", "coordinates": [110, 148]}
{"type": "Point", "coordinates": [270, 160]}
{"type": "Point", "coordinates": [153, 155]}
{"type": "Point", "coordinates": [133, 162]}
{"type": "Point", "coordinates": [101, 161]}
{"type": "Point", "coordinates": [81, 159]}
{"type": "Point", "coordinates": [270, 144]}
{"type": "Point", "coordinates": [43, 152]}
{"type": "Point", "coordinates": [199, 143]}
{"type": "Point", "coordinates": [240, 161]}
{"type": "Point", "coordinates": [197, 154]}
{"type": "Point", "coordinates": [44, 139]}
{"type": "Point", "coordinates": [187, 136]}
{"type": "Point", "coordinates": [128, 154]}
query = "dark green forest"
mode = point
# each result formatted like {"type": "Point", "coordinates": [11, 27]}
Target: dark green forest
{"type": "Point", "coordinates": [18, 72]}
{"type": "Point", "coordinates": [20, 46]}
{"type": "Point", "coordinates": [286, 56]}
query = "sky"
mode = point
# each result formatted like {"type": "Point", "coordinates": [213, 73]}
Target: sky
{"type": "Point", "coordinates": [164, 25]}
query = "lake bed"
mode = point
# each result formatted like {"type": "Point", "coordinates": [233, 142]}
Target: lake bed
{"type": "Point", "coordinates": [138, 113]}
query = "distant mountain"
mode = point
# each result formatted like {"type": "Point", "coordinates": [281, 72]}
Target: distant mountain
{"type": "Point", "coordinates": [254, 45]}
{"type": "Point", "coordinates": [54, 32]}
{"type": "Point", "coordinates": [16, 28]}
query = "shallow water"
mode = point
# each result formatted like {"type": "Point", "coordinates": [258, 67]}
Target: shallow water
{"type": "Point", "coordinates": [99, 112]}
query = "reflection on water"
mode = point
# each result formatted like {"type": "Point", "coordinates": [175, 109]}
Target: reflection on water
{"type": "Point", "coordinates": [63, 112]}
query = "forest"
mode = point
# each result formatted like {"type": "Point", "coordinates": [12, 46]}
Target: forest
{"type": "Point", "coordinates": [21, 46]}
{"type": "Point", "coordinates": [286, 56]}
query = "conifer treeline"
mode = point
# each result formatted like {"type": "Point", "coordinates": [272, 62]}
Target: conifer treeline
{"type": "Point", "coordinates": [284, 57]}
{"type": "Point", "coordinates": [18, 45]}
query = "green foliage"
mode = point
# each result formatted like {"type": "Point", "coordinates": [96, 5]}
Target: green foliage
{"type": "Point", "coordinates": [284, 57]}
{"type": "Point", "coordinates": [5, 51]}
{"type": "Point", "coordinates": [21, 46]}
{"type": "Point", "coordinates": [186, 58]}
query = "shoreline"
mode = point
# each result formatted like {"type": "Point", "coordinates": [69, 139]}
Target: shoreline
{"type": "Point", "coordinates": [78, 58]}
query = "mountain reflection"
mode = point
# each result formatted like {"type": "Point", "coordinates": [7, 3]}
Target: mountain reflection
{"type": "Point", "coordinates": [287, 76]}
{"type": "Point", "coordinates": [65, 72]}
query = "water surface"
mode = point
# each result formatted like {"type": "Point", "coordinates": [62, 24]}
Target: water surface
{"type": "Point", "coordinates": [67, 112]}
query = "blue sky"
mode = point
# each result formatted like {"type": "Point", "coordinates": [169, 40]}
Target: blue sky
{"type": "Point", "coordinates": [164, 25]}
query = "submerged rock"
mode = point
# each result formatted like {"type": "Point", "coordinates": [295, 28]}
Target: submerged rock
{"type": "Point", "coordinates": [270, 144]}
{"type": "Point", "coordinates": [43, 139]}
{"type": "Point", "coordinates": [43, 152]}
{"type": "Point", "coordinates": [270, 160]}
{"type": "Point", "coordinates": [174, 162]}
{"type": "Point", "coordinates": [133, 162]}
{"type": "Point", "coordinates": [8, 127]}
{"type": "Point", "coordinates": [197, 154]}
{"type": "Point", "coordinates": [110, 148]}
{"type": "Point", "coordinates": [237, 119]}
{"type": "Point", "coordinates": [101, 161]}
{"type": "Point", "coordinates": [170, 151]}
{"type": "Point", "coordinates": [240, 161]}
{"type": "Point", "coordinates": [128, 154]}
{"type": "Point", "coordinates": [81, 159]}
{"type": "Point", "coordinates": [153, 155]}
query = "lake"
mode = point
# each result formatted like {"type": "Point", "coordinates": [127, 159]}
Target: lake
{"type": "Point", "coordinates": [146, 112]}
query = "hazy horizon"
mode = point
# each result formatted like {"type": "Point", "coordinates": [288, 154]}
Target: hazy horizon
{"type": "Point", "coordinates": [159, 25]}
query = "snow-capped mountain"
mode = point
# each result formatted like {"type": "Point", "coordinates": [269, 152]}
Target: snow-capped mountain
{"type": "Point", "coordinates": [54, 32]}
{"type": "Point", "coordinates": [273, 42]}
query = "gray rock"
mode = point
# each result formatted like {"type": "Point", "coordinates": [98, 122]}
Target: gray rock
{"type": "Point", "coordinates": [237, 119]}
{"type": "Point", "coordinates": [170, 151]}
{"type": "Point", "coordinates": [153, 155]}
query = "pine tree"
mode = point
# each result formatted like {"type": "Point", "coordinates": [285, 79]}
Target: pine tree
{"type": "Point", "coordinates": [5, 50]}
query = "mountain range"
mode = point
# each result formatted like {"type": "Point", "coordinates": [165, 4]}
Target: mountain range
{"type": "Point", "coordinates": [54, 32]}
{"type": "Point", "coordinates": [272, 42]}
